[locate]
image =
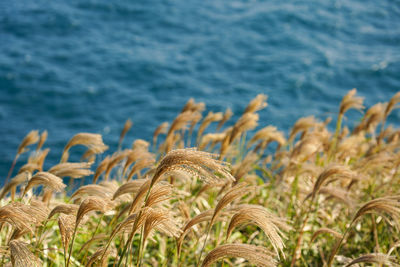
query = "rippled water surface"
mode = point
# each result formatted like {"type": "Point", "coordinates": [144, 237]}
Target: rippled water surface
{"type": "Point", "coordinates": [73, 66]}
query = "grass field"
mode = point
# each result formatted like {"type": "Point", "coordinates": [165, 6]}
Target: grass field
{"type": "Point", "coordinates": [238, 196]}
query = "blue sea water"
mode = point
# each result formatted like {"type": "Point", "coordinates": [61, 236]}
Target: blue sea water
{"type": "Point", "coordinates": [87, 66]}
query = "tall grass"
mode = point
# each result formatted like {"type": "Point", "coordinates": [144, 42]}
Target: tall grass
{"type": "Point", "coordinates": [224, 198]}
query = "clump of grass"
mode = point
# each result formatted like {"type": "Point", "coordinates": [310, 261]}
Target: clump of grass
{"type": "Point", "coordinates": [324, 196]}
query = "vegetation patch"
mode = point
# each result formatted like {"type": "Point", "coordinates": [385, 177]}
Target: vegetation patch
{"type": "Point", "coordinates": [238, 196]}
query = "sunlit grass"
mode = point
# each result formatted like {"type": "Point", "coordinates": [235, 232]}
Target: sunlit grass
{"type": "Point", "coordinates": [198, 198]}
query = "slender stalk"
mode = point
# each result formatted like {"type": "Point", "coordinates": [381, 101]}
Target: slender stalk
{"type": "Point", "coordinates": [94, 233]}
{"type": "Point", "coordinates": [299, 240]}
{"type": "Point", "coordinates": [183, 254]}
{"type": "Point", "coordinates": [243, 144]}
{"type": "Point", "coordinates": [392, 179]}
{"type": "Point", "coordinates": [130, 248]}
{"type": "Point", "coordinates": [40, 234]}
{"type": "Point", "coordinates": [301, 233]}
{"type": "Point", "coordinates": [335, 140]}
{"type": "Point", "coordinates": [321, 253]}
{"type": "Point", "coordinates": [65, 257]}
{"type": "Point", "coordinates": [204, 244]}
{"type": "Point", "coordinates": [218, 233]}
{"type": "Point", "coordinates": [338, 245]}
{"type": "Point", "coordinates": [131, 234]}
{"type": "Point", "coordinates": [141, 249]}
{"type": "Point", "coordinates": [375, 230]}
{"type": "Point", "coordinates": [176, 259]}
{"type": "Point", "coordinates": [71, 245]}
{"type": "Point", "coordinates": [12, 168]}
{"type": "Point", "coordinates": [380, 136]}
{"type": "Point", "coordinates": [128, 241]}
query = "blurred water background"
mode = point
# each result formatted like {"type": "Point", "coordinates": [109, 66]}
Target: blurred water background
{"type": "Point", "coordinates": [87, 66]}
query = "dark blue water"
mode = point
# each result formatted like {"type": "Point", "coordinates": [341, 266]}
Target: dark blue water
{"type": "Point", "coordinates": [73, 66]}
